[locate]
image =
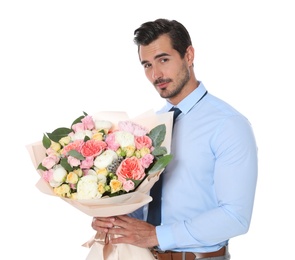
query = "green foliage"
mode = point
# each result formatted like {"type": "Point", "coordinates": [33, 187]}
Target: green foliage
{"type": "Point", "coordinates": [136, 182]}
{"type": "Point", "coordinates": [79, 119]}
{"type": "Point", "coordinates": [158, 151]}
{"type": "Point", "coordinates": [76, 155]}
{"type": "Point", "coordinates": [59, 133]}
{"type": "Point", "coordinates": [64, 163]}
{"type": "Point", "coordinates": [41, 167]}
{"type": "Point", "coordinates": [157, 135]}
{"type": "Point", "coordinates": [46, 142]}
{"type": "Point", "coordinates": [161, 163]}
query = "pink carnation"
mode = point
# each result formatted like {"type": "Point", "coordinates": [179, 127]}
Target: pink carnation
{"type": "Point", "coordinates": [132, 128]}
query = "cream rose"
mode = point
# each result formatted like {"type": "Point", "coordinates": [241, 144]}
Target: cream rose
{"type": "Point", "coordinates": [63, 191]}
{"type": "Point", "coordinates": [65, 140]}
{"type": "Point", "coordinates": [81, 135]}
{"type": "Point", "coordinates": [55, 146]}
{"type": "Point", "coordinates": [105, 159]}
{"type": "Point", "coordinates": [103, 125]}
{"type": "Point", "coordinates": [116, 185]}
{"type": "Point", "coordinates": [59, 176]}
{"type": "Point", "coordinates": [125, 138]}
{"type": "Point", "coordinates": [72, 178]}
{"type": "Point", "coordinates": [101, 178]}
{"type": "Point", "coordinates": [87, 187]}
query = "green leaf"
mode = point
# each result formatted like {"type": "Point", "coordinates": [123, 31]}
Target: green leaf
{"type": "Point", "coordinates": [136, 182]}
{"type": "Point", "coordinates": [161, 163]}
{"type": "Point", "coordinates": [157, 135]}
{"type": "Point", "coordinates": [158, 151]}
{"type": "Point", "coordinates": [59, 133]}
{"type": "Point", "coordinates": [120, 192]}
{"type": "Point", "coordinates": [64, 163]}
{"type": "Point", "coordinates": [41, 167]}
{"type": "Point", "coordinates": [78, 120]}
{"type": "Point", "coordinates": [46, 142]}
{"type": "Point", "coordinates": [76, 155]}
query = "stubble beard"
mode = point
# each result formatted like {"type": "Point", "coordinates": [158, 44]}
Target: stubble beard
{"type": "Point", "coordinates": [181, 80]}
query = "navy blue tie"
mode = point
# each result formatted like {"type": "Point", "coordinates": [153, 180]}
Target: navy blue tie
{"type": "Point", "coordinates": [154, 212]}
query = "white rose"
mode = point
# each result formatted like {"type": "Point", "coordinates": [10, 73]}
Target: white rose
{"type": "Point", "coordinates": [59, 176]}
{"type": "Point", "coordinates": [87, 187]}
{"type": "Point", "coordinates": [103, 125]}
{"type": "Point", "coordinates": [105, 159]}
{"type": "Point", "coordinates": [101, 178]}
{"type": "Point", "coordinates": [91, 172]}
{"type": "Point", "coordinates": [124, 139]}
{"type": "Point", "coordinates": [81, 135]}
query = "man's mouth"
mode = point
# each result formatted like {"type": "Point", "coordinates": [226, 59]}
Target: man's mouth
{"type": "Point", "coordinates": [162, 83]}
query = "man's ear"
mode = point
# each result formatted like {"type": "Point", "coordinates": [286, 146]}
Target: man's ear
{"type": "Point", "coordinates": [190, 55]}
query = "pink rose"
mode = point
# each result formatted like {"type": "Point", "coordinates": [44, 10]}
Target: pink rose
{"type": "Point", "coordinates": [128, 185]}
{"type": "Point", "coordinates": [50, 151]}
{"type": "Point", "coordinates": [143, 141]}
{"type": "Point", "coordinates": [111, 142]}
{"type": "Point", "coordinates": [76, 145]}
{"type": "Point", "coordinates": [73, 161]}
{"type": "Point", "coordinates": [48, 175]}
{"type": "Point", "coordinates": [93, 148]}
{"type": "Point", "coordinates": [87, 163]}
{"type": "Point", "coordinates": [146, 160]}
{"type": "Point", "coordinates": [49, 161]}
{"type": "Point", "coordinates": [88, 123]}
{"type": "Point", "coordinates": [130, 168]}
{"type": "Point", "coordinates": [78, 127]}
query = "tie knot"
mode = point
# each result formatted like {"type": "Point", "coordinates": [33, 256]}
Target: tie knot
{"type": "Point", "coordinates": [177, 112]}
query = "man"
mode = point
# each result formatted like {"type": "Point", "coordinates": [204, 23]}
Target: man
{"type": "Point", "coordinates": [209, 187]}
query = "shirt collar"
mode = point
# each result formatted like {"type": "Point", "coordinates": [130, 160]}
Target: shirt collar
{"type": "Point", "coordinates": [187, 103]}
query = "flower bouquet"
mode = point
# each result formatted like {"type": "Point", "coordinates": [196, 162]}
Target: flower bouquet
{"type": "Point", "coordinates": [104, 164]}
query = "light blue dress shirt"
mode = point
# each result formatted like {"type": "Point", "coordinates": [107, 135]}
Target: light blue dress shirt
{"type": "Point", "coordinates": [209, 187]}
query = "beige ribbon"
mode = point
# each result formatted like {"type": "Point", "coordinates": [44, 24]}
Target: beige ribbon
{"type": "Point", "coordinates": [101, 249]}
{"type": "Point", "coordinates": [101, 238]}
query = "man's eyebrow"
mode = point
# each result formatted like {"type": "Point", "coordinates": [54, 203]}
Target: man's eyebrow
{"type": "Point", "coordinates": [156, 57]}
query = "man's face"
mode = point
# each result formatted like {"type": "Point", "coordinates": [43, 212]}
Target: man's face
{"type": "Point", "coordinates": [164, 67]}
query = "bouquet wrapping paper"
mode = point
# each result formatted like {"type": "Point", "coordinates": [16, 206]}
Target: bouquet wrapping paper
{"type": "Point", "coordinates": [117, 205]}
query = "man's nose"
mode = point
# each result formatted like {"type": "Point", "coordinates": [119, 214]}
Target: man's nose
{"type": "Point", "coordinates": [156, 73]}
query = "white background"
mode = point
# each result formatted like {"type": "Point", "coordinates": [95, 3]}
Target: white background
{"type": "Point", "coordinates": [59, 58]}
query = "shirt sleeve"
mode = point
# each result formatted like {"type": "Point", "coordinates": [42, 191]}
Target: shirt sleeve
{"type": "Point", "coordinates": [235, 175]}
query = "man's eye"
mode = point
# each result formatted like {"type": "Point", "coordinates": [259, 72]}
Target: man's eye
{"type": "Point", "coordinates": [147, 65]}
{"type": "Point", "coordinates": [164, 60]}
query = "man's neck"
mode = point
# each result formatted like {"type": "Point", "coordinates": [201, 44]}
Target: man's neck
{"type": "Point", "coordinates": [189, 88]}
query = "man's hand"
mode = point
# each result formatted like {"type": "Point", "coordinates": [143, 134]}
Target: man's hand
{"type": "Point", "coordinates": [124, 229]}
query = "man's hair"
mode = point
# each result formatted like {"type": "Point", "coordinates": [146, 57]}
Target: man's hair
{"type": "Point", "coordinates": [150, 31]}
